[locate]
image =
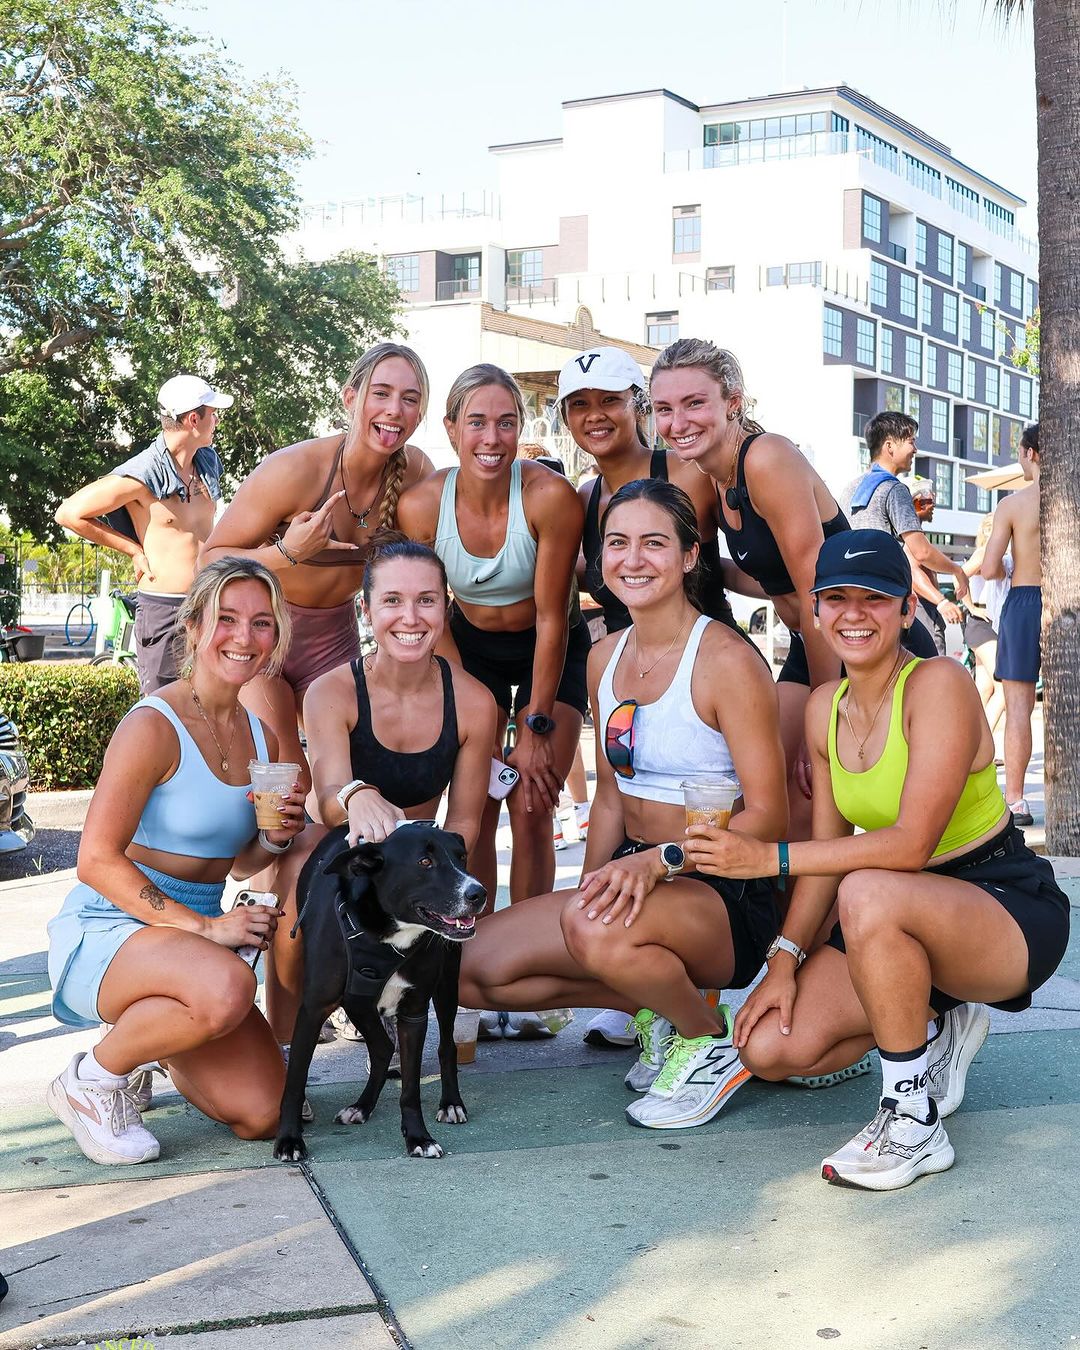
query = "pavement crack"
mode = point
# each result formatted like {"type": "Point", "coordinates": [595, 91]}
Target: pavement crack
{"type": "Point", "coordinates": [44, 1261]}
{"type": "Point", "coordinates": [88, 1293]}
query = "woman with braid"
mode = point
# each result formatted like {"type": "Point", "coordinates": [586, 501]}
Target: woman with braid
{"type": "Point", "coordinates": [308, 513]}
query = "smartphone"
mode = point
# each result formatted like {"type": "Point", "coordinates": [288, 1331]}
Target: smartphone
{"type": "Point", "coordinates": [251, 954]}
{"type": "Point", "coordinates": [503, 780]}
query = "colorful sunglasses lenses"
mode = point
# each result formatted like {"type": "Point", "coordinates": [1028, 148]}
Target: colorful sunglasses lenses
{"type": "Point", "coordinates": [619, 738]}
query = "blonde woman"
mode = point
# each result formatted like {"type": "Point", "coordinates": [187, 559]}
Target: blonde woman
{"type": "Point", "coordinates": [141, 943]}
{"type": "Point", "coordinates": [308, 511]}
{"type": "Point", "coordinates": [508, 533]}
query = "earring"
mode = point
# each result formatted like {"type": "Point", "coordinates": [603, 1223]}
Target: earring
{"type": "Point", "coordinates": [731, 417]}
{"type": "Point", "coordinates": [817, 623]}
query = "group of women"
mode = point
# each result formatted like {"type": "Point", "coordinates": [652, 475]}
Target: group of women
{"type": "Point", "coordinates": [897, 747]}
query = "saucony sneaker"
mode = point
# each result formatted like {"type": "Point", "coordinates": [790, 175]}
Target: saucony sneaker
{"type": "Point", "coordinates": [964, 1028]}
{"type": "Point", "coordinates": [890, 1152]}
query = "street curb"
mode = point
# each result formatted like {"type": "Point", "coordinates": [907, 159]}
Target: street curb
{"type": "Point", "coordinates": [18, 883]}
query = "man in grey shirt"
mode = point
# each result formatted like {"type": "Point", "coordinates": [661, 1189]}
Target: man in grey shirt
{"type": "Point", "coordinates": [877, 500]}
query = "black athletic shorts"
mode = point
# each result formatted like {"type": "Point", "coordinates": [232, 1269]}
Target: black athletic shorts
{"type": "Point", "coordinates": [751, 911]}
{"type": "Point", "coordinates": [157, 640]}
{"type": "Point", "coordinates": [978, 631]}
{"type": "Point", "coordinates": [1006, 869]}
{"type": "Point", "coordinates": [504, 661]}
{"type": "Point", "coordinates": [796, 669]}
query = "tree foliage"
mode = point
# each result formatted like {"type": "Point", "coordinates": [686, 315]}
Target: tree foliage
{"type": "Point", "coordinates": [144, 193]}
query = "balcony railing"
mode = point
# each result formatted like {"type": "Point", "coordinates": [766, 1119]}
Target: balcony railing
{"type": "Point", "coordinates": [539, 293]}
{"type": "Point", "coordinates": [406, 207]}
{"type": "Point", "coordinates": [859, 423]}
{"type": "Point", "coordinates": [454, 290]}
{"type": "Point", "coordinates": [897, 251]}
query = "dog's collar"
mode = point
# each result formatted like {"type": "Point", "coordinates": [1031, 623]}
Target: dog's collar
{"type": "Point", "coordinates": [371, 962]}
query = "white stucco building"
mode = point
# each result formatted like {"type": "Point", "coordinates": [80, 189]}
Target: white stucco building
{"type": "Point", "coordinates": [849, 260]}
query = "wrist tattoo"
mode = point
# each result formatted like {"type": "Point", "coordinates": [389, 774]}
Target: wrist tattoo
{"type": "Point", "coordinates": [154, 897]}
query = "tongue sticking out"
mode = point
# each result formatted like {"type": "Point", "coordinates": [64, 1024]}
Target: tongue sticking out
{"type": "Point", "coordinates": [387, 436]}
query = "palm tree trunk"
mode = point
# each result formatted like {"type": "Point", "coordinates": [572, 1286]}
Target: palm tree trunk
{"type": "Point", "coordinates": [1057, 83]}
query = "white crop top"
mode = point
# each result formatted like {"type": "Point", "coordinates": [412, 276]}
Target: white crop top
{"type": "Point", "coordinates": [671, 742]}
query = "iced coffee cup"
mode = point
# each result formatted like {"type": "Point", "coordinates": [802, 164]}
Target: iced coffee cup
{"type": "Point", "coordinates": [710, 801]}
{"type": "Point", "coordinates": [269, 783]}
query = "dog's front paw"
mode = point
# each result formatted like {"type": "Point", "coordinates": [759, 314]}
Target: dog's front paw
{"type": "Point", "coordinates": [290, 1148]}
{"type": "Point", "coordinates": [423, 1148]}
{"type": "Point", "coordinates": [453, 1113]}
{"type": "Point", "coordinates": [352, 1115]}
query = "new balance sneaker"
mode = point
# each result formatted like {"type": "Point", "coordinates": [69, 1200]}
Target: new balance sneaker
{"type": "Point", "coordinates": [964, 1028]}
{"type": "Point", "coordinates": [1021, 813]}
{"type": "Point", "coordinates": [890, 1152]}
{"type": "Point", "coordinates": [141, 1085]}
{"type": "Point", "coordinates": [611, 1027]}
{"type": "Point", "coordinates": [653, 1032]}
{"type": "Point", "coordinates": [699, 1077]}
{"type": "Point", "coordinates": [102, 1117]}
{"type": "Point", "coordinates": [824, 1080]}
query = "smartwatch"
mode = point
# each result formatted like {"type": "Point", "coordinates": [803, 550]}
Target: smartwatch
{"type": "Point", "coordinates": [540, 724]}
{"type": "Point", "coordinates": [347, 791]}
{"type": "Point", "coordinates": [783, 944]}
{"type": "Point", "coordinates": [673, 858]}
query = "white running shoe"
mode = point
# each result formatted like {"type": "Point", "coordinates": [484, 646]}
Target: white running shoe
{"type": "Point", "coordinates": [699, 1077]}
{"type": "Point", "coordinates": [653, 1032]}
{"type": "Point", "coordinates": [890, 1152]}
{"type": "Point", "coordinates": [141, 1085]}
{"type": "Point", "coordinates": [611, 1027]}
{"type": "Point", "coordinates": [964, 1028]}
{"type": "Point", "coordinates": [343, 1026]}
{"type": "Point", "coordinates": [102, 1117]}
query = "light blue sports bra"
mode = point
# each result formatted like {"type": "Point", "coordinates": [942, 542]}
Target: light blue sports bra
{"type": "Point", "coordinates": [194, 813]}
{"type": "Point", "coordinates": [502, 580]}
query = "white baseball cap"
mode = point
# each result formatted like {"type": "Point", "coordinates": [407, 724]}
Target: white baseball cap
{"type": "Point", "coordinates": [184, 392]}
{"type": "Point", "coordinates": [607, 368]}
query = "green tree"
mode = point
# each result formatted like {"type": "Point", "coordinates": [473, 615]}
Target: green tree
{"type": "Point", "coordinates": [144, 193]}
{"type": "Point", "coordinates": [1057, 59]}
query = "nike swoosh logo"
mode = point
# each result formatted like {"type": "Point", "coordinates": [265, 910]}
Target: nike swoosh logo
{"type": "Point", "coordinates": [864, 553]}
{"type": "Point", "coordinates": [743, 555]}
{"type": "Point", "coordinates": [89, 1111]}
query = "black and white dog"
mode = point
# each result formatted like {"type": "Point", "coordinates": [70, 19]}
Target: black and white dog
{"type": "Point", "coordinates": [380, 924]}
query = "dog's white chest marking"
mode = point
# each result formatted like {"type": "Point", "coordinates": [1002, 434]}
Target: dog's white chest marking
{"type": "Point", "coordinates": [406, 934]}
{"type": "Point", "coordinates": [390, 997]}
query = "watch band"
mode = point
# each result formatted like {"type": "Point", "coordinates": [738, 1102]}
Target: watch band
{"type": "Point", "coordinates": [783, 944]}
{"type": "Point", "coordinates": [672, 872]}
{"type": "Point", "coordinates": [346, 793]}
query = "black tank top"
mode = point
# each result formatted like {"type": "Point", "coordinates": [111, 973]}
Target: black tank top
{"type": "Point", "coordinates": [753, 545]}
{"type": "Point", "coordinates": [405, 777]}
{"type": "Point", "coordinates": [711, 601]}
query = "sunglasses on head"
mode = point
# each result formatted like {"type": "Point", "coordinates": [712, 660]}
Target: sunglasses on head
{"type": "Point", "coordinates": [619, 737]}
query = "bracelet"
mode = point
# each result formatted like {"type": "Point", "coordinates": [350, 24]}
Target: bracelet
{"type": "Point", "coordinates": [785, 861]}
{"type": "Point", "coordinates": [285, 552]}
{"type": "Point", "coordinates": [271, 847]}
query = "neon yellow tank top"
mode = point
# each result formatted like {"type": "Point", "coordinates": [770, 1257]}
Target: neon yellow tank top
{"type": "Point", "coordinates": [871, 799]}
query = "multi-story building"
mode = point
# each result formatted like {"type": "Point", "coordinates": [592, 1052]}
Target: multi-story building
{"type": "Point", "coordinates": [848, 258]}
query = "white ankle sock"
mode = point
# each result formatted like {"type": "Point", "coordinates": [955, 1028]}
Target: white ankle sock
{"type": "Point", "coordinates": [90, 1071]}
{"type": "Point", "coordinates": [904, 1081]}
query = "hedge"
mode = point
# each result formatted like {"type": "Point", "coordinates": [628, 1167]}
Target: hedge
{"type": "Point", "coordinates": [66, 714]}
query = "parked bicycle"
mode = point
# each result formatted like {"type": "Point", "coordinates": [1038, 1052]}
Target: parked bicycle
{"type": "Point", "coordinates": [119, 633]}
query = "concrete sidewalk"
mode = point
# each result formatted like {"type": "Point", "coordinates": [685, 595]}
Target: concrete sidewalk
{"type": "Point", "coordinates": [550, 1222]}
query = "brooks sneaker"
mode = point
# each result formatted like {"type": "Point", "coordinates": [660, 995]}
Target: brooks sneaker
{"type": "Point", "coordinates": [611, 1027]}
{"type": "Point", "coordinates": [1021, 813]}
{"type": "Point", "coordinates": [964, 1028]}
{"type": "Point", "coordinates": [824, 1080]}
{"type": "Point", "coordinates": [653, 1032]}
{"type": "Point", "coordinates": [699, 1076]}
{"type": "Point", "coordinates": [890, 1152]}
{"type": "Point", "coordinates": [103, 1118]}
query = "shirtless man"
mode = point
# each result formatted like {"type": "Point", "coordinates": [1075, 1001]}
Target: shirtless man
{"type": "Point", "coordinates": [158, 507]}
{"type": "Point", "coordinates": [1019, 655]}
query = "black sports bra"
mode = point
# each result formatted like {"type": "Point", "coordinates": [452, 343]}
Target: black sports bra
{"type": "Point", "coordinates": [405, 777]}
{"type": "Point", "coordinates": [712, 600]}
{"type": "Point", "coordinates": [753, 545]}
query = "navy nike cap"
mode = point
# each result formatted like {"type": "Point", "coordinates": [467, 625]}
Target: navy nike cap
{"type": "Point", "coordinates": [869, 559]}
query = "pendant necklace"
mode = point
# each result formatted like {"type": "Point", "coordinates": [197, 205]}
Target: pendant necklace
{"type": "Point", "coordinates": [360, 516]}
{"type": "Point", "coordinates": [861, 744]}
{"type": "Point", "coordinates": [667, 652]}
{"type": "Point", "coordinates": [224, 754]}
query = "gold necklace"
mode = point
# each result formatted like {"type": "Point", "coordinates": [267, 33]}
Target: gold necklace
{"type": "Point", "coordinates": [861, 745]}
{"type": "Point", "coordinates": [210, 727]}
{"type": "Point", "coordinates": [667, 652]}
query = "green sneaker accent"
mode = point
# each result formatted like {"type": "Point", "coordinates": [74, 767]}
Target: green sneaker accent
{"type": "Point", "coordinates": [680, 1049]}
{"type": "Point", "coordinates": [723, 1011]}
{"type": "Point", "coordinates": [642, 1022]}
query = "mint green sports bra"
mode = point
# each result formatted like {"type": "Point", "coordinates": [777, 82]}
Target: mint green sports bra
{"type": "Point", "coordinates": [506, 578]}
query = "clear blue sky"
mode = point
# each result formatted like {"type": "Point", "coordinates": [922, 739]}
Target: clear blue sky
{"type": "Point", "coordinates": [408, 94]}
